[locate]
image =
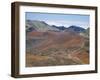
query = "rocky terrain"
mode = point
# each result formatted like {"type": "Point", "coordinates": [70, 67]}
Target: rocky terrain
{"type": "Point", "coordinates": [50, 45]}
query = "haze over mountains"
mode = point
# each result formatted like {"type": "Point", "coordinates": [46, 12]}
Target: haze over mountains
{"type": "Point", "coordinates": [50, 45]}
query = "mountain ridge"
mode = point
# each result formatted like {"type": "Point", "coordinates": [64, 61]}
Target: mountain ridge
{"type": "Point", "coordinates": [35, 25]}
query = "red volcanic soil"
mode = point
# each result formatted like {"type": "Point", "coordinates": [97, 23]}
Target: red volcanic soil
{"type": "Point", "coordinates": [35, 34]}
{"type": "Point", "coordinates": [80, 56]}
{"type": "Point", "coordinates": [67, 49]}
{"type": "Point", "coordinates": [58, 39]}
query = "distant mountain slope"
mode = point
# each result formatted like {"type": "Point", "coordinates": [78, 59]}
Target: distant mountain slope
{"type": "Point", "coordinates": [59, 27]}
{"type": "Point", "coordinates": [76, 29]}
{"type": "Point", "coordinates": [72, 28]}
{"type": "Point", "coordinates": [35, 25]}
{"type": "Point", "coordinates": [38, 26]}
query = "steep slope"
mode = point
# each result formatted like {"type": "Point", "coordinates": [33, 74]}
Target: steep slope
{"type": "Point", "coordinates": [39, 26]}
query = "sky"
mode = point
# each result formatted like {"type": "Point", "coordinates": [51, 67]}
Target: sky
{"type": "Point", "coordinates": [60, 19]}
